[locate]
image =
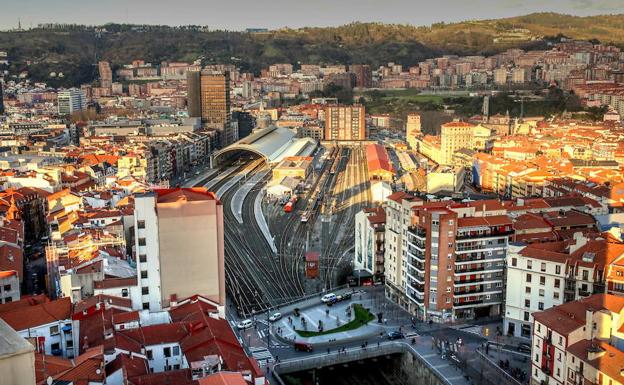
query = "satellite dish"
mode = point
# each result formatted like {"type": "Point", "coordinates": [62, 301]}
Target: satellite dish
{"type": "Point", "coordinates": [49, 380]}
{"type": "Point", "coordinates": [98, 371]}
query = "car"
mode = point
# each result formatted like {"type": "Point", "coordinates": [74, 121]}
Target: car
{"type": "Point", "coordinates": [275, 317]}
{"type": "Point", "coordinates": [524, 347]}
{"type": "Point", "coordinates": [303, 347]}
{"type": "Point", "coordinates": [327, 298]}
{"type": "Point", "coordinates": [344, 296]}
{"type": "Point", "coordinates": [244, 324]}
{"type": "Point", "coordinates": [395, 335]}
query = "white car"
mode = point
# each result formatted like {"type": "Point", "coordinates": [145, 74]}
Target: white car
{"type": "Point", "coordinates": [328, 298]}
{"type": "Point", "coordinates": [275, 317]}
{"type": "Point", "coordinates": [245, 324]}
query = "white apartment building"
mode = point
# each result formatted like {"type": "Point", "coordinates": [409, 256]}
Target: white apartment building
{"type": "Point", "coordinates": [397, 208]}
{"type": "Point", "coordinates": [543, 275]}
{"type": "Point", "coordinates": [570, 342]}
{"type": "Point", "coordinates": [70, 101]}
{"type": "Point", "coordinates": [369, 241]}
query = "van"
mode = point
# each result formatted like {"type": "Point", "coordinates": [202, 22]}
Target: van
{"type": "Point", "coordinates": [303, 347]}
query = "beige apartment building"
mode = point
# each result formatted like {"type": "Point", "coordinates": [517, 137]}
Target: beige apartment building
{"type": "Point", "coordinates": [179, 246]}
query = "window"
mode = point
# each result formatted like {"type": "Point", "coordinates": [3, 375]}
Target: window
{"type": "Point", "coordinates": [542, 281]}
{"type": "Point", "coordinates": [528, 277]}
{"type": "Point", "coordinates": [557, 283]}
{"type": "Point", "coordinates": [55, 346]}
{"type": "Point", "coordinates": [555, 295]}
{"type": "Point", "coordinates": [527, 290]}
{"type": "Point", "coordinates": [150, 356]}
{"type": "Point", "coordinates": [7, 287]}
{"type": "Point", "coordinates": [539, 327]}
{"type": "Point", "coordinates": [514, 261]}
{"type": "Point", "coordinates": [167, 352]}
{"type": "Point", "coordinates": [141, 241]}
{"type": "Point", "coordinates": [541, 292]}
{"type": "Point", "coordinates": [54, 330]}
{"type": "Point", "coordinates": [176, 367]}
{"type": "Point", "coordinates": [540, 305]}
{"type": "Point", "coordinates": [124, 292]}
{"type": "Point", "coordinates": [176, 350]}
{"type": "Point", "coordinates": [529, 264]}
{"type": "Point", "coordinates": [557, 269]}
{"type": "Point", "coordinates": [143, 274]}
{"type": "Point", "coordinates": [145, 305]}
{"type": "Point", "coordinates": [543, 267]}
{"type": "Point", "coordinates": [527, 303]}
{"type": "Point", "coordinates": [145, 290]}
{"type": "Point", "coordinates": [141, 224]}
{"type": "Point", "coordinates": [142, 258]}
{"type": "Point", "coordinates": [526, 315]}
{"type": "Point", "coordinates": [558, 372]}
{"type": "Point", "coordinates": [536, 360]}
{"type": "Point", "coordinates": [560, 343]}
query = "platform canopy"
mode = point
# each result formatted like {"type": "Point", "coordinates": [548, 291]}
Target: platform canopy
{"type": "Point", "coordinates": [271, 143]}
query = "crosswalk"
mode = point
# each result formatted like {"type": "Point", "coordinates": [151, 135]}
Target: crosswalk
{"type": "Point", "coordinates": [262, 355]}
{"type": "Point", "coordinates": [475, 329]}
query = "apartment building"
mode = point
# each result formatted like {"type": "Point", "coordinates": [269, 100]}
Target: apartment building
{"type": "Point", "coordinates": [70, 101]}
{"type": "Point", "coordinates": [345, 123]}
{"type": "Point", "coordinates": [444, 260]}
{"type": "Point", "coordinates": [369, 241]}
{"type": "Point", "coordinates": [579, 342]}
{"type": "Point", "coordinates": [397, 207]}
{"type": "Point", "coordinates": [543, 275]}
{"type": "Point", "coordinates": [179, 246]}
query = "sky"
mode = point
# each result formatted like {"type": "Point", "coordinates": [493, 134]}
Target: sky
{"type": "Point", "coordinates": [241, 14]}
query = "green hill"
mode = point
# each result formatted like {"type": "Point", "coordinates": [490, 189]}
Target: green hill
{"type": "Point", "coordinates": [74, 50]}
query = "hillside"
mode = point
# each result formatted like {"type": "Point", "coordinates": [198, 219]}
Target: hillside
{"type": "Point", "coordinates": [75, 50]}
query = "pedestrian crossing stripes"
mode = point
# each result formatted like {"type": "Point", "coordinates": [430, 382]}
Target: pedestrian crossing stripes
{"type": "Point", "coordinates": [262, 355]}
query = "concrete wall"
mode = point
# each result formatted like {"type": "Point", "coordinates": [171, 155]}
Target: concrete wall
{"type": "Point", "coordinates": [18, 369]}
{"type": "Point", "coordinates": [191, 250]}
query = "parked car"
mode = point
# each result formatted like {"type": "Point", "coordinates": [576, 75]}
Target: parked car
{"type": "Point", "coordinates": [275, 317]}
{"type": "Point", "coordinates": [344, 297]}
{"type": "Point", "coordinates": [303, 347]}
{"type": "Point", "coordinates": [524, 347]}
{"type": "Point", "coordinates": [331, 297]}
{"type": "Point", "coordinates": [395, 335]}
{"type": "Point", "coordinates": [245, 324]}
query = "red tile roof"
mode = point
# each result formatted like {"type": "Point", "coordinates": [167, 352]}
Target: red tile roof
{"type": "Point", "coordinates": [377, 158]}
{"type": "Point", "coordinates": [568, 317]}
{"type": "Point", "coordinates": [38, 314]}
{"type": "Point", "coordinates": [223, 378]}
{"type": "Point", "coordinates": [187, 194]}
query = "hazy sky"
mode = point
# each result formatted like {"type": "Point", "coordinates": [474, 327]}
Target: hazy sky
{"type": "Point", "coordinates": [240, 14]}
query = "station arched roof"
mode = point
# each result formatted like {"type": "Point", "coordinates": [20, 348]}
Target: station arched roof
{"type": "Point", "coordinates": [271, 143]}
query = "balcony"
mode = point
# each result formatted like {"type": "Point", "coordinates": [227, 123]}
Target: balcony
{"type": "Point", "coordinates": [479, 269]}
{"type": "Point", "coordinates": [418, 231]}
{"type": "Point", "coordinates": [469, 281]}
{"type": "Point", "coordinates": [468, 292]}
{"type": "Point", "coordinates": [583, 293]}
{"type": "Point", "coordinates": [476, 235]}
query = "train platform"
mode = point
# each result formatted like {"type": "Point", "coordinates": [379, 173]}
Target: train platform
{"type": "Point", "coordinates": [261, 221]}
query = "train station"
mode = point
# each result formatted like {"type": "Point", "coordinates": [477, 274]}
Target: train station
{"type": "Point", "coordinates": [273, 144]}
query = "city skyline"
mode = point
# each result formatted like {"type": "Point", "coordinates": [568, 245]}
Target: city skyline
{"type": "Point", "coordinates": [281, 13]}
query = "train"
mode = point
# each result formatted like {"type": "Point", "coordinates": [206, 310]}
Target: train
{"type": "Point", "coordinates": [288, 207]}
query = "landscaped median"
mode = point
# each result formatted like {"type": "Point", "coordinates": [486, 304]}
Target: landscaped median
{"type": "Point", "coordinates": [361, 317]}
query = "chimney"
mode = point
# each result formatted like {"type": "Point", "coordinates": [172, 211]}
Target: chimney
{"type": "Point", "coordinates": [579, 241]}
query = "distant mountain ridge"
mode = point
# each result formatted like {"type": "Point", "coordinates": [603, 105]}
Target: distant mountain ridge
{"type": "Point", "coordinates": [74, 50]}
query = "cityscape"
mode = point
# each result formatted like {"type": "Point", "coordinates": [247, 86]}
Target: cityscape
{"type": "Point", "coordinates": [374, 202]}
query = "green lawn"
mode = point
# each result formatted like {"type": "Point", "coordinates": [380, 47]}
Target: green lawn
{"type": "Point", "coordinates": [362, 317]}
